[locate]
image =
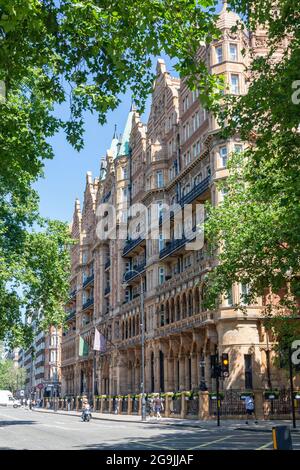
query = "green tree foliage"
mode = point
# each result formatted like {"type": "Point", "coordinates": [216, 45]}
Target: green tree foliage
{"type": "Point", "coordinates": [257, 225]}
{"type": "Point", "coordinates": [11, 378]}
{"type": "Point", "coordinates": [85, 53]}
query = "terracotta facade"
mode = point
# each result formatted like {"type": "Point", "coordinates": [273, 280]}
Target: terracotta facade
{"type": "Point", "coordinates": [177, 158]}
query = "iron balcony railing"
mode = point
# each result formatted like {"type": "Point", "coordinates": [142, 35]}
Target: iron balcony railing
{"type": "Point", "coordinates": [175, 245]}
{"type": "Point", "coordinates": [71, 314]}
{"type": "Point", "coordinates": [135, 271]}
{"type": "Point", "coordinates": [88, 303]}
{"type": "Point", "coordinates": [130, 244]}
{"type": "Point", "coordinates": [73, 293]}
{"type": "Point", "coordinates": [88, 280]}
{"type": "Point", "coordinates": [197, 190]}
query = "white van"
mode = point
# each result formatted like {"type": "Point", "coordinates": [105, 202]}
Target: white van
{"type": "Point", "coordinates": [6, 398]}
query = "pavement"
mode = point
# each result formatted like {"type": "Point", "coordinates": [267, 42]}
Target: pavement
{"type": "Point", "coordinates": [262, 425]}
{"type": "Point", "coordinates": [23, 429]}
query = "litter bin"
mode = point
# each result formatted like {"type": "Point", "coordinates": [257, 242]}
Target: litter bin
{"type": "Point", "coordinates": [282, 439]}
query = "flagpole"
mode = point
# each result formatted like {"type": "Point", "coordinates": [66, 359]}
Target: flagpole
{"type": "Point", "coordinates": [94, 374]}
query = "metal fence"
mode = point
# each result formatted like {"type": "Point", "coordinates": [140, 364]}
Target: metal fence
{"type": "Point", "coordinates": [124, 405]}
{"type": "Point", "coordinates": [105, 408]}
{"type": "Point", "coordinates": [175, 406]}
{"type": "Point", "coordinates": [281, 405]}
{"type": "Point", "coordinates": [231, 404]}
{"type": "Point", "coordinates": [135, 406]}
{"type": "Point", "coordinates": [193, 406]}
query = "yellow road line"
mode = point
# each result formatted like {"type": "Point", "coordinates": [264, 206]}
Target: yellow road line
{"type": "Point", "coordinates": [211, 442]}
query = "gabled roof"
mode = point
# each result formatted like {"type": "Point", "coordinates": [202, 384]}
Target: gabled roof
{"type": "Point", "coordinates": [124, 148]}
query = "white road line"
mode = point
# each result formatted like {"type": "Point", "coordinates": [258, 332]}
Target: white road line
{"type": "Point", "coordinates": [211, 442]}
{"type": "Point", "coordinates": [265, 446]}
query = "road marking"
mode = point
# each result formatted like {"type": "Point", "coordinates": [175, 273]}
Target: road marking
{"type": "Point", "coordinates": [153, 446]}
{"type": "Point", "coordinates": [264, 446]}
{"type": "Point", "coordinates": [60, 427]}
{"type": "Point", "coordinates": [211, 442]}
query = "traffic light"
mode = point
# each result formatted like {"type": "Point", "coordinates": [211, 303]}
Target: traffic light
{"type": "Point", "coordinates": [225, 364]}
{"type": "Point", "coordinates": [214, 366]}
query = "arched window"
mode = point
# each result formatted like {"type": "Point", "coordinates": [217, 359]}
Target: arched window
{"type": "Point", "coordinates": [183, 303]}
{"type": "Point", "coordinates": [178, 312]}
{"type": "Point", "coordinates": [190, 304]}
{"type": "Point", "coordinates": [167, 314]}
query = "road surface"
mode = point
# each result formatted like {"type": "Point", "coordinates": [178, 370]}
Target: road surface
{"type": "Point", "coordinates": [25, 429]}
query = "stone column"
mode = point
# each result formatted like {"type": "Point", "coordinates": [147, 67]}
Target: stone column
{"type": "Point", "coordinates": [170, 367]}
{"type": "Point", "coordinates": [167, 406]}
{"type": "Point", "coordinates": [129, 411]}
{"type": "Point", "coordinates": [183, 407]}
{"type": "Point", "coordinates": [203, 405]}
{"type": "Point", "coordinates": [194, 370]}
{"type": "Point", "coordinates": [181, 372]}
{"type": "Point", "coordinates": [156, 371]}
{"type": "Point", "coordinates": [208, 380]}
{"type": "Point", "coordinates": [176, 384]}
{"type": "Point", "coordinates": [147, 373]}
{"type": "Point", "coordinates": [187, 371]}
{"type": "Point", "coordinates": [259, 404]}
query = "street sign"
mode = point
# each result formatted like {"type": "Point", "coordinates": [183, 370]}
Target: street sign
{"type": "Point", "coordinates": [22, 393]}
{"type": "Point", "coordinates": [40, 386]}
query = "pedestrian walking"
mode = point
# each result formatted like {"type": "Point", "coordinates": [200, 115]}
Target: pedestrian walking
{"type": "Point", "coordinates": [117, 400]}
{"type": "Point", "coordinates": [158, 406]}
{"type": "Point", "coordinates": [250, 409]}
{"type": "Point", "coordinates": [150, 407]}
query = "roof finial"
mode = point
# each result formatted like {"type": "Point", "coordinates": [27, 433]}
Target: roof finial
{"type": "Point", "coordinates": [132, 107]}
{"type": "Point", "coordinates": [115, 132]}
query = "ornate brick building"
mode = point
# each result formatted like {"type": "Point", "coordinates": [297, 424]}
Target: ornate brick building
{"type": "Point", "coordinates": [177, 158]}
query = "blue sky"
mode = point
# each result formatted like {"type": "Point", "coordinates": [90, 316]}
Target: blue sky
{"type": "Point", "coordinates": [64, 176]}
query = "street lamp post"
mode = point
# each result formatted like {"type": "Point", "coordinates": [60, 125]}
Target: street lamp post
{"type": "Point", "coordinates": [142, 324]}
{"type": "Point", "coordinates": [143, 352]}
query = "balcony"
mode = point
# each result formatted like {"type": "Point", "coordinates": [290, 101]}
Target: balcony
{"type": "Point", "coordinates": [88, 303]}
{"type": "Point", "coordinates": [135, 271]}
{"type": "Point", "coordinates": [107, 264]}
{"type": "Point", "coordinates": [71, 314]}
{"type": "Point", "coordinates": [88, 280]}
{"type": "Point", "coordinates": [197, 190]}
{"type": "Point", "coordinates": [107, 290]}
{"type": "Point", "coordinates": [174, 245]}
{"type": "Point", "coordinates": [73, 294]}
{"type": "Point", "coordinates": [130, 244]}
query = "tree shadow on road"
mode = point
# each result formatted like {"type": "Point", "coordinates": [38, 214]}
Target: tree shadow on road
{"type": "Point", "coordinates": [16, 422]}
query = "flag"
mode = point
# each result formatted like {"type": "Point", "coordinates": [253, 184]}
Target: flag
{"type": "Point", "coordinates": [83, 347]}
{"type": "Point", "coordinates": [99, 342]}
{"type": "Point", "coordinates": [96, 340]}
{"type": "Point", "coordinates": [102, 344]}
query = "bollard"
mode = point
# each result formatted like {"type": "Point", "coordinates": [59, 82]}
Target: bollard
{"type": "Point", "coordinates": [282, 439]}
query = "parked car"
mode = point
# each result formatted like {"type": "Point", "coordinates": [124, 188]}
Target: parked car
{"type": "Point", "coordinates": [6, 398]}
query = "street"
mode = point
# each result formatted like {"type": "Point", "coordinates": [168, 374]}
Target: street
{"type": "Point", "coordinates": [25, 429]}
